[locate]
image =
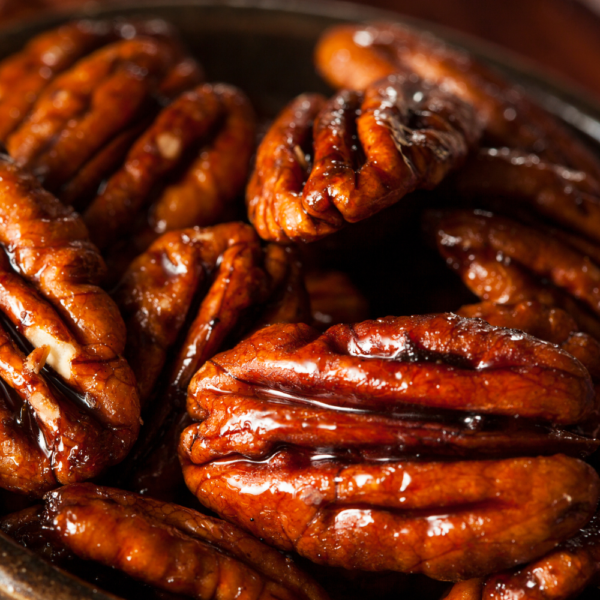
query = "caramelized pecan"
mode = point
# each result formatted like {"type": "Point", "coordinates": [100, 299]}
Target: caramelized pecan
{"type": "Point", "coordinates": [506, 262]}
{"type": "Point", "coordinates": [215, 124]}
{"type": "Point", "coordinates": [50, 298]}
{"type": "Point", "coordinates": [323, 430]}
{"type": "Point", "coordinates": [238, 282]}
{"type": "Point", "coordinates": [353, 56]}
{"type": "Point", "coordinates": [168, 546]}
{"type": "Point", "coordinates": [369, 150]}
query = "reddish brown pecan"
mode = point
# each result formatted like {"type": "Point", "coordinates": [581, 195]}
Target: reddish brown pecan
{"type": "Point", "coordinates": [353, 56]}
{"type": "Point", "coordinates": [83, 108]}
{"type": "Point", "coordinates": [570, 198]}
{"type": "Point", "coordinates": [50, 298]}
{"type": "Point", "coordinates": [369, 150]}
{"type": "Point", "coordinates": [323, 430]}
{"type": "Point", "coordinates": [243, 288]}
{"type": "Point", "coordinates": [176, 549]}
{"type": "Point", "coordinates": [216, 124]}
{"type": "Point", "coordinates": [506, 262]}
{"type": "Point", "coordinates": [560, 575]}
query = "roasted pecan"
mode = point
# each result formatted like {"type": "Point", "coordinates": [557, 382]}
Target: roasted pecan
{"type": "Point", "coordinates": [168, 546]}
{"type": "Point", "coordinates": [309, 440]}
{"type": "Point", "coordinates": [353, 56]}
{"type": "Point", "coordinates": [50, 297]}
{"type": "Point", "coordinates": [237, 278]}
{"type": "Point", "coordinates": [506, 262]}
{"type": "Point", "coordinates": [215, 124]}
{"type": "Point", "coordinates": [83, 108]}
{"type": "Point", "coordinates": [560, 575]}
{"type": "Point", "coordinates": [570, 198]}
{"type": "Point", "coordinates": [369, 150]}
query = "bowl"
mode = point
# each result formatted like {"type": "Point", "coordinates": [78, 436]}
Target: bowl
{"type": "Point", "coordinates": [265, 48]}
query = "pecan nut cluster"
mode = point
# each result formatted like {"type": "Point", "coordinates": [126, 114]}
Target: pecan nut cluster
{"type": "Point", "coordinates": [189, 352]}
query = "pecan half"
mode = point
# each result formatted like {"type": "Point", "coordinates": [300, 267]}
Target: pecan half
{"type": "Point", "coordinates": [369, 150]}
{"type": "Point", "coordinates": [213, 123]}
{"type": "Point", "coordinates": [353, 56]}
{"type": "Point", "coordinates": [242, 287]}
{"type": "Point", "coordinates": [48, 293]}
{"type": "Point", "coordinates": [506, 262]}
{"type": "Point", "coordinates": [325, 430]}
{"type": "Point", "coordinates": [176, 549]}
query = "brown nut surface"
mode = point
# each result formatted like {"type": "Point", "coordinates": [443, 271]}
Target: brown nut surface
{"type": "Point", "coordinates": [353, 56]}
{"type": "Point", "coordinates": [176, 549]}
{"type": "Point", "coordinates": [83, 108]}
{"type": "Point", "coordinates": [49, 297]}
{"type": "Point", "coordinates": [569, 198]}
{"type": "Point", "coordinates": [324, 429]}
{"type": "Point", "coordinates": [216, 124]}
{"type": "Point", "coordinates": [560, 575]}
{"type": "Point", "coordinates": [506, 262]}
{"type": "Point", "coordinates": [368, 151]}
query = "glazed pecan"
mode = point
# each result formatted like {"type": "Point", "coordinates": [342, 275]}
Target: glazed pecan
{"type": "Point", "coordinates": [506, 262]}
{"type": "Point", "coordinates": [353, 56]}
{"type": "Point", "coordinates": [168, 546]}
{"type": "Point", "coordinates": [560, 575]}
{"type": "Point", "coordinates": [48, 292]}
{"type": "Point", "coordinates": [240, 284]}
{"type": "Point", "coordinates": [309, 440]}
{"type": "Point", "coordinates": [570, 198]}
{"type": "Point", "coordinates": [83, 108]}
{"type": "Point", "coordinates": [213, 123]}
{"type": "Point", "coordinates": [368, 150]}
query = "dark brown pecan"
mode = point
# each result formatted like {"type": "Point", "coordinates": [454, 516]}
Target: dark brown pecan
{"type": "Point", "coordinates": [369, 150]}
{"type": "Point", "coordinates": [353, 56]}
{"type": "Point", "coordinates": [570, 198]}
{"type": "Point", "coordinates": [173, 548]}
{"type": "Point", "coordinates": [50, 297]}
{"type": "Point", "coordinates": [334, 299]}
{"type": "Point", "coordinates": [506, 262]}
{"type": "Point", "coordinates": [309, 440]}
{"type": "Point", "coordinates": [215, 124]}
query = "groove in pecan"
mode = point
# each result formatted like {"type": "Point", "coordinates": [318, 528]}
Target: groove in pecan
{"type": "Point", "coordinates": [353, 56]}
{"type": "Point", "coordinates": [182, 128]}
{"type": "Point", "coordinates": [370, 150]}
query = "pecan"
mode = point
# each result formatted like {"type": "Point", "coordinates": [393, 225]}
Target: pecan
{"type": "Point", "coordinates": [334, 299]}
{"type": "Point", "coordinates": [353, 56]}
{"type": "Point", "coordinates": [309, 440]}
{"type": "Point", "coordinates": [562, 574]}
{"type": "Point", "coordinates": [215, 123]}
{"type": "Point", "coordinates": [83, 108]}
{"type": "Point", "coordinates": [176, 549]}
{"type": "Point", "coordinates": [506, 262]}
{"type": "Point", "coordinates": [570, 198]}
{"type": "Point", "coordinates": [156, 295]}
{"type": "Point", "coordinates": [369, 150]}
{"type": "Point", "coordinates": [50, 297]}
